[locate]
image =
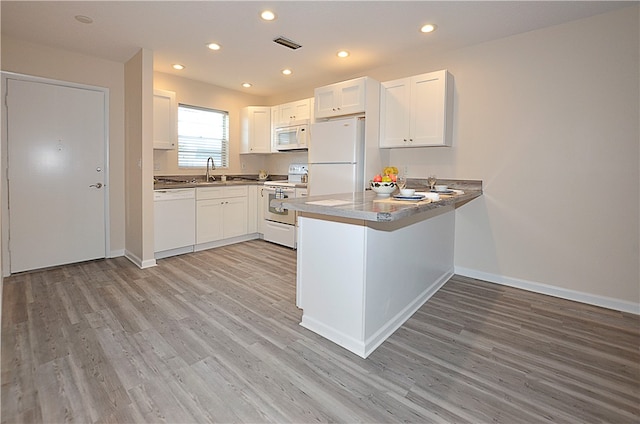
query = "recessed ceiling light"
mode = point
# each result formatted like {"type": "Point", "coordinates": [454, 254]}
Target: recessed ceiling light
{"type": "Point", "coordinates": [246, 85]}
{"type": "Point", "coordinates": [84, 19]}
{"type": "Point", "coordinates": [214, 46]}
{"type": "Point", "coordinates": [178, 66]}
{"type": "Point", "coordinates": [287, 72]}
{"type": "Point", "coordinates": [343, 53]}
{"type": "Point", "coordinates": [268, 15]}
{"type": "Point", "coordinates": [428, 28]}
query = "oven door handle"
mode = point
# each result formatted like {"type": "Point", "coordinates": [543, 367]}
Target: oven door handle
{"type": "Point", "coordinates": [290, 192]}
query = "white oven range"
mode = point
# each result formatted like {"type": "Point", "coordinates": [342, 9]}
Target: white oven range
{"type": "Point", "coordinates": [279, 225]}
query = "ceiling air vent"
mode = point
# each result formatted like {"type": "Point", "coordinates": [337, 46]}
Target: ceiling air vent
{"type": "Point", "coordinates": [287, 43]}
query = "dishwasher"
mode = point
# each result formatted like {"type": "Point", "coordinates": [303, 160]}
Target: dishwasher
{"type": "Point", "coordinates": [174, 221]}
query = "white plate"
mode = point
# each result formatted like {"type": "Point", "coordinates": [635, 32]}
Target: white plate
{"type": "Point", "coordinates": [443, 192]}
{"type": "Point", "coordinates": [414, 197]}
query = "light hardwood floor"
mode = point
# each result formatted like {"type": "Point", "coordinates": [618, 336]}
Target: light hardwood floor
{"type": "Point", "coordinates": [214, 337]}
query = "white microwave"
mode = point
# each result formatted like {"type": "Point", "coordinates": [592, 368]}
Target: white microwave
{"type": "Point", "coordinates": [294, 137]}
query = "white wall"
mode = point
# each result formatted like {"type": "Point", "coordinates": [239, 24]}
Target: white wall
{"type": "Point", "coordinates": [549, 121]}
{"type": "Point", "coordinates": [139, 242]}
{"type": "Point", "coordinates": [196, 93]}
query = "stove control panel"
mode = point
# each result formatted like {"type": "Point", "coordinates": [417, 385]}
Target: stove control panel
{"type": "Point", "coordinates": [298, 172]}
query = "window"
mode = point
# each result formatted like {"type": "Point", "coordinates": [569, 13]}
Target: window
{"type": "Point", "coordinates": [202, 133]}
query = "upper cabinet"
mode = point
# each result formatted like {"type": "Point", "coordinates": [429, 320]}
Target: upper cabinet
{"type": "Point", "coordinates": [292, 112]}
{"type": "Point", "coordinates": [165, 120]}
{"type": "Point", "coordinates": [417, 111]}
{"type": "Point", "coordinates": [343, 98]}
{"type": "Point", "coordinates": [255, 129]}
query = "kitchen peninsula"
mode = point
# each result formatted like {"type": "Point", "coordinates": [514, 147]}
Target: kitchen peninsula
{"type": "Point", "coordinates": [366, 263]}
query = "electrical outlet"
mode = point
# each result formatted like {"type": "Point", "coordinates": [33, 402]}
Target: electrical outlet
{"type": "Point", "coordinates": [156, 166]}
{"type": "Point", "coordinates": [243, 166]}
{"type": "Point", "coordinates": [405, 170]}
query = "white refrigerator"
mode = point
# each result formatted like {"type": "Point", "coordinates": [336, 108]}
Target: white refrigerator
{"type": "Point", "coordinates": [336, 156]}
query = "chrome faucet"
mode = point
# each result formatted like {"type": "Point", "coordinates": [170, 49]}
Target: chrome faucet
{"type": "Point", "coordinates": [213, 166]}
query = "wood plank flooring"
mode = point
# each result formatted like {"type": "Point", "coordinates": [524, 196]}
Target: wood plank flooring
{"type": "Point", "coordinates": [213, 336]}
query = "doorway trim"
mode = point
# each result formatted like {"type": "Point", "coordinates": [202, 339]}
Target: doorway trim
{"type": "Point", "coordinates": [4, 188]}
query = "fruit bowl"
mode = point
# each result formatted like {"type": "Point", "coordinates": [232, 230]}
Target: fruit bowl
{"type": "Point", "coordinates": [383, 188]}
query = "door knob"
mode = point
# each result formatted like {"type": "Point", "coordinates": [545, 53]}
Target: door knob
{"type": "Point", "coordinates": [96, 185]}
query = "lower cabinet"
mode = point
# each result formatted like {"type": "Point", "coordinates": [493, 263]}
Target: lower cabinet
{"type": "Point", "coordinates": [252, 209]}
{"type": "Point", "coordinates": [221, 213]}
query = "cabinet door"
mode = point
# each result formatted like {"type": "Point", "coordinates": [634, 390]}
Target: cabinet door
{"type": "Point", "coordinates": [428, 103]}
{"type": "Point", "coordinates": [343, 98]}
{"type": "Point", "coordinates": [278, 116]}
{"type": "Point", "coordinates": [301, 110]}
{"type": "Point", "coordinates": [286, 113]}
{"type": "Point", "coordinates": [395, 113]}
{"type": "Point", "coordinates": [325, 101]}
{"type": "Point", "coordinates": [256, 130]}
{"type": "Point", "coordinates": [416, 111]}
{"type": "Point", "coordinates": [165, 120]}
{"type": "Point", "coordinates": [252, 209]}
{"type": "Point", "coordinates": [209, 220]}
{"type": "Point", "coordinates": [351, 95]}
{"type": "Point", "coordinates": [261, 206]}
{"type": "Point", "coordinates": [234, 217]}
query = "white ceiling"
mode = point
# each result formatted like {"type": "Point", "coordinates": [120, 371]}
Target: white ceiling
{"type": "Point", "coordinates": [376, 33]}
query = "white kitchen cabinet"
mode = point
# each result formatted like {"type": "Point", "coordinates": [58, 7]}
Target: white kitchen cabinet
{"type": "Point", "coordinates": [165, 120]}
{"type": "Point", "coordinates": [234, 217]}
{"type": "Point", "coordinates": [289, 113]}
{"type": "Point", "coordinates": [174, 221]}
{"type": "Point", "coordinates": [255, 129]}
{"type": "Point", "coordinates": [417, 111]}
{"type": "Point", "coordinates": [260, 209]}
{"type": "Point", "coordinates": [252, 208]}
{"type": "Point", "coordinates": [343, 98]}
{"type": "Point", "coordinates": [209, 220]}
{"type": "Point", "coordinates": [221, 213]}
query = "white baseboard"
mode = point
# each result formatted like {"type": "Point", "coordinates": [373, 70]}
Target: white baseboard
{"type": "Point", "coordinates": [366, 347]}
{"type": "Point", "coordinates": [148, 263]}
{"type": "Point", "coordinates": [532, 286]}
{"type": "Point", "coordinates": [139, 262]}
{"type": "Point", "coordinates": [116, 253]}
{"type": "Point", "coordinates": [224, 242]}
{"type": "Point", "coordinates": [174, 252]}
{"type": "Point", "coordinates": [352, 344]}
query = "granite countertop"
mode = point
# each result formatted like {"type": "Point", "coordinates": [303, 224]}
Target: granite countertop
{"type": "Point", "coordinates": [369, 206]}
{"type": "Point", "coordinates": [185, 181]}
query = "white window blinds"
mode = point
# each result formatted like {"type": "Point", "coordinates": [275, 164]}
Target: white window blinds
{"type": "Point", "coordinates": [202, 133]}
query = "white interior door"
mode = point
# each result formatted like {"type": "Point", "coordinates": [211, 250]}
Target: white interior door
{"type": "Point", "coordinates": [56, 174]}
